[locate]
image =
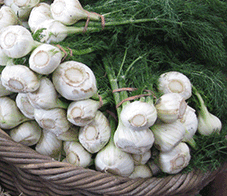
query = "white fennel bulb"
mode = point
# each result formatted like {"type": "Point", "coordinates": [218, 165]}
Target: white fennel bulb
{"type": "Point", "coordinates": [3, 58]}
{"type": "Point", "coordinates": [175, 82]}
{"type": "Point", "coordinates": [167, 136]}
{"type": "Point", "coordinates": [39, 14]}
{"type": "Point", "coordinates": [22, 8]}
{"type": "Point", "coordinates": [207, 123]}
{"type": "Point", "coordinates": [24, 105]}
{"type": "Point", "coordinates": [69, 12]}
{"type": "Point", "coordinates": [113, 160]}
{"type": "Point", "coordinates": [53, 120]}
{"type": "Point", "coordinates": [52, 31]}
{"type": "Point", "coordinates": [26, 3]}
{"type": "Point", "coordinates": [45, 59]}
{"type": "Point", "coordinates": [7, 17]}
{"type": "Point", "coordinates": [82, 112]}
{"type": "Point", "coordinates": [16, 41]}
{"type": "Point", "coordinates": [10, 115]}
{"type": "Point", "coordinates": [170, 107]}
{"type": "Point", "coordinates": [132, 141]}
{"type": "Point", "coordinates": [49, 145]}
{"type": "Point", "coordinates": [74, 81]}
{"type": "Point", "coordinates": [45, 97]}
{"type": "Point", "coordinates": [76, 154]}
{"type": "Point", "coordinates": [190, 122]}
{"type": "Point", "coordinates": [27, 133]}
{"type": "Point", "coordinates": [174, 161]}
{"type": "Point", "coordinates": [3, 90]}
{"type": "Point", "coordinates": [70, 135]}
{"type": "Point", "coordinates": [141, 171]}
{"type": "Point", "coordinates": [95, 135]}
{"type": "Point", "coordinates": [141, 159]}
{"type": "Point", "coordinates": [138, 115]}
{"type": "Point", "coordinates": [19, 78]}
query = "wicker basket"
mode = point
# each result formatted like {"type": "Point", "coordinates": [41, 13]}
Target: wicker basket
{"type": "Point", "coordinates": [23, 170]}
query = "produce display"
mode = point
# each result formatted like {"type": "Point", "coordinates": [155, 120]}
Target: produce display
{"type": "Point", "coordinates": [132, 88]}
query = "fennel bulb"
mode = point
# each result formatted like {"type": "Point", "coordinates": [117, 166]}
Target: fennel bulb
{"type": "Point", "coordinates": [39, 14]}
{"type": "Point", "coordinates": [82, 112]}
{"type": "Point", "coordinates": [138, 115]}
{"type": "Point", "coordinates": [95, 135]}
{"type": "Point", "coordinates": [70, 135]}
{"type": "Point", "coordinates": [74, 81]}
{"type": "Point", "coordinates": [16, 41]}
{"type": "Point", "coordinates": [190, 122]}
{"type": "Point", "coordinates": [113, 160]}
{"type": "Point", "coordinates": [175, 160]}
{"type": "Point", "coordinates": [132, 141]}
{"type": "Point", "coordinates": [52, 31]}
{"type": "Point", "coordinates": [167, 136]}
{"type": "Point", "coordinates": [27, 133]}
{"type": "Point", "coordinates": [76, 154]}
{"type": "Point", "coordinates": [141, 171]}
{"type": "Point", "coordinates": [49, 145]}
{"type": "Point", "coordinates": [22, 8]}
{"type": "Point", "coordinates": [26, 3]}
{"type": "Point", "coordinates": [45, 59]}
{"type": "Point", "coordinates": [19, 78]}
{"type": "Point", "coordinates": [69, 12]}
{"type": "Point", "coordinates": [207, 122]}
{"type": "Point", "coordinates": [170, 107]}
{"type": "Point", "coordinates": [24, 105]}
{"type": "Point", "coordinates": [141, 159]}
{"type": "Point", "coordinates": [7, 17]}
{"type": "Point", "coordinates": [175, 82]}
{"type": "Point", "coordinates": [3, 90]}
{"type": "Point", "coordinates": [3, 58]}
{"type": "Point", "coordinates": [10, 115]}
{"type": "Point", "coordinates": [53, 120]}
{"type": "Point", "coordinates": [45, 97]}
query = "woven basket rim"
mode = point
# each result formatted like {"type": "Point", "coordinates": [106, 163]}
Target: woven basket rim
{"type": "Point", "coordinates": [31, 165]}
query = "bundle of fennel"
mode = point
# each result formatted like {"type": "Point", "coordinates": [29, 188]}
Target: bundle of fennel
{"type": "Point", "coordinates": [90, 89]}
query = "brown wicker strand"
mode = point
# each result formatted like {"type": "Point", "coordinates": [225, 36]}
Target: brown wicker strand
{"type": "Point", "coordinates": [23, 170]}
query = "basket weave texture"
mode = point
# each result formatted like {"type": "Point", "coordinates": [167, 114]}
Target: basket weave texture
{"type": "Point", "coordinates": [23, 170]}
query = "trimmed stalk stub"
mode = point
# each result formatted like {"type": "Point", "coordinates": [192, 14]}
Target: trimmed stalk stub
{"type": "Point", "coordinates": [95, 135]}
{"type": "Point", "coordinates": [76, 154]}
{"type": "Point", "coordinates": [24, 105]}
{"type": "Point", "coordinates": [138, 115]}
{"type": "Point", "coordinates": [16, 41]}
{"type": "Point", "coordinates": [175, 82]}
{"type": "Point", "coordinates": [19, 78]}
{"type": "Point", "coordinates": [74, 81]}
{"type": "Point", "coordinates": [174, 161]}
{"type": "Point", "coordinates": [82, 112]}
{"type": "Point", "coordinates": [45, 59]}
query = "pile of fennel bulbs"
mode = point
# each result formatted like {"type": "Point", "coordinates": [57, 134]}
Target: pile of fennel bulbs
{"type": "Point", "coordinates": [53, 104]}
